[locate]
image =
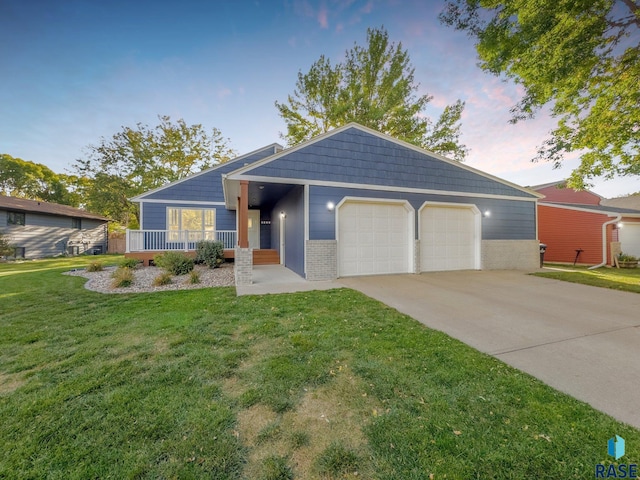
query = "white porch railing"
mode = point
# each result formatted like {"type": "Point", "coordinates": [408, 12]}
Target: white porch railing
{"type": "Point", "coordinates": [161, 240]}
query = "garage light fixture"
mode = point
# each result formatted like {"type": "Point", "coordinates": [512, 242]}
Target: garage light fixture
{"type": "Point", "coordinates": [331, 206]}
{"type": "Point", "coordinates": [486, 213]}
{"type": "Point", "coordinates": [282, 214]}
{"type": "Point", "coordinates": [620, 225]}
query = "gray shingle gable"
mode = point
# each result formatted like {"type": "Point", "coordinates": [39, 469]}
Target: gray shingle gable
{"type": "Point", "coordinates": [358, 157]}
{"type": "Point", "coordinates": [207, 186]}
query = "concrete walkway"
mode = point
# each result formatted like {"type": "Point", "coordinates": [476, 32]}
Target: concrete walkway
{"type": "Point", "coordinates": [582, 340]}
{"type": "Point", "coordinates": [278, 279]}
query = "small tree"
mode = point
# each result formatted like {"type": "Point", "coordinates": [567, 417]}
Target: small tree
{"type": "Point", "coordinates": [6, 248]}
{"type": "Point", "coordinates": [374, 86]}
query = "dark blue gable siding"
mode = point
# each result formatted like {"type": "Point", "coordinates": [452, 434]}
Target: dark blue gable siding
{"type": "Point", "coordinates": [509, 220]}
{"type": "Point", "coordinates": [355, 156]}
{"type": "Point", "coordinates": [207, 187]}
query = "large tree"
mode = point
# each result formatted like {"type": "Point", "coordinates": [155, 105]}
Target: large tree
{"type": "Point", "coordinates": [137, 159]}
{"type": "Point", "coordinates": [25, 179]}
{"type": "Point", "coordinates": [374, 86]}
{"type": "Point", "coordinates": [581, 57]}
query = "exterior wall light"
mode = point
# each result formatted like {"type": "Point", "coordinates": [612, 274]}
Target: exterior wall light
{"type": "Point", "coordinates": [331, 206]}
{"type": "Point", "coordinates": [282, 214]}
{"type": "Point", "coordinates": [620, 225]}
{"type": "Point", "coordinates": [486, 213]}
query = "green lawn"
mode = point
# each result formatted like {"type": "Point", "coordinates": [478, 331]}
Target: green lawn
{"type": "Point", "coordinates": [203, 384]}
{"type": "Point", "coordinates": [627, 279]}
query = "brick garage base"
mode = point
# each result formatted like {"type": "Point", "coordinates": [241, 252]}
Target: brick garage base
{"type": "Point", "coordinates": [322, 260]}
{"type": "Point", "coordinates": [510, 255]}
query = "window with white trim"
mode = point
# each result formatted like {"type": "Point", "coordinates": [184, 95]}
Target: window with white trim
{"type": "Point", "coordinates": [198, 223]}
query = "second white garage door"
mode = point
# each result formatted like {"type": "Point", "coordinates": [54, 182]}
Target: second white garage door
{"type": "Point", "coordinates": [449, 237]}
{"type": "Point", "coordinates": [374, 237]}
{"type": "Point", "coordinates": [629, 236]}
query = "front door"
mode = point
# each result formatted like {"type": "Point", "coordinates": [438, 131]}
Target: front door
{"type": "Point", "coordinates": [254, 229]}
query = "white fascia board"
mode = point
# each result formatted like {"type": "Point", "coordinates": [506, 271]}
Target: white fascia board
{"type": "Point", "coordinates": [231, 190]}
{"type": "Point", "coordinates": [384, 188]}
{"type": "Point", "coordinates": [140, 197]}
{"type": "Point", "coordinates": [234, 174]}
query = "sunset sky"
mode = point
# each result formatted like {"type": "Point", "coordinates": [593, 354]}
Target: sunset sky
{"type": "Point", "coordinates": [76, 71]}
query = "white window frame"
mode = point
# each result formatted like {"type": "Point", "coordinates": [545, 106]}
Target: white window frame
{"type": "Point", "coordinates": [207, 232]}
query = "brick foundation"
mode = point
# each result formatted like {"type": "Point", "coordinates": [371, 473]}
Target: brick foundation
{"type": "Point", "coordinates": [243, 266]}
{"type": "Point", "coordinates": [510, 255]}
{"type": "Point", "coordinates": [322, 260]}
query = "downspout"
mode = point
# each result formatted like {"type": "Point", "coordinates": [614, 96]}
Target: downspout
{"type": "Point", "coordinates": [604, 241]}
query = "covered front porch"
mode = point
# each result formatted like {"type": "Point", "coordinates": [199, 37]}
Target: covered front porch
{"type": "Point", "coordinates": [266, 212]}
{"type": "Point", "coordinates": [251, 206]}
{"type": "Point", "coordinates": [145, 244]}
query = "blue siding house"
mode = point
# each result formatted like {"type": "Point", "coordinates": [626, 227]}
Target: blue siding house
{"type": "Point", "coordinates": [352, 201]}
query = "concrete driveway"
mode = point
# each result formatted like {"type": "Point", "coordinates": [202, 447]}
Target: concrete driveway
{"type": "Point", "coordinates": [582, 340]}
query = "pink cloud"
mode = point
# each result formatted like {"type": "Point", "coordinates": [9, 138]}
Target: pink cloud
{"type": "Point", "coordinates": [368, 7]}
{"type": "Point", "coordinates": [224, 92]}
{"type": "Point", "coordinates": [322, 17]}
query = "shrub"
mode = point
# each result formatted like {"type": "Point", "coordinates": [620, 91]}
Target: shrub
{"type": "Point", "coordinates": [194, 277]}
{"type": "Point", "coordinates": [129, 263]}
{"type": "Point", "coordinates": [162, 279]}
{"type": "Point", "coordinates": [122, 277]}
{"type": "Point", "coordinates": [624, 257]}
{"type": "Point", "coordinates": [95, 267]}
{"type": "Point", "coordinates": [175, 262]}
{"type": "Point", "coordinates": [210, 253]}
{"type": "Point", "coordinates": [6, 249]}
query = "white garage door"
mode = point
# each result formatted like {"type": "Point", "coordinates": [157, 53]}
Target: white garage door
{"type": "Point", "coordinates": [373, 238]}
{"type": "Point", "coordinates": [449, 238]}
{"type": "Point", "coordinates": [629, 236]}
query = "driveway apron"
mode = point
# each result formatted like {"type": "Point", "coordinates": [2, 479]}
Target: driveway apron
{"type": "Point", "coordinates": [582, 340]}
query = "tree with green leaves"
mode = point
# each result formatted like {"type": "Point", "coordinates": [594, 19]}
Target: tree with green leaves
{"type": "Point", "coordinates": [375, 87]}
{"type": "Point", "coordinates": [25, 179]}
{"type": "Point", "coordinates": [580, 57]}
{"type": "Point", "coordinates": [138, 159]}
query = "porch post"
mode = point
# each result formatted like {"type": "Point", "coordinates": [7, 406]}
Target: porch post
{"type": "Point", "coordinates": [244, 257]}
{"type": "Point", "coordinates": [243, 215]}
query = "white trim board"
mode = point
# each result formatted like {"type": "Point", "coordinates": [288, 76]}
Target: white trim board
{"type": "Point", "coordinates": [306, 224]}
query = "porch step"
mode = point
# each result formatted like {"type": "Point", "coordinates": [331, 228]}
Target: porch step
{"type": "Point", "coordinates": [266, 257]}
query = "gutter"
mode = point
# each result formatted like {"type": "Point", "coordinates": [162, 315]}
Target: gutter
{"type": "Point", "coordinates": [604, 241]}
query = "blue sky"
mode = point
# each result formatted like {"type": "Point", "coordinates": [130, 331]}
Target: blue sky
{"type": "Point", "coordinates": [76, 71]}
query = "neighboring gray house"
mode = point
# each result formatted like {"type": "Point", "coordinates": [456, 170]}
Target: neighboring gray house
{"type": "Point", "coordinates": [349, 202]}
{"type": "Point", "coordinates": [630, 201]}
{"type": "Point", "coordinates": [42, 229]}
